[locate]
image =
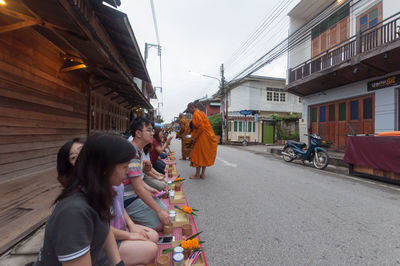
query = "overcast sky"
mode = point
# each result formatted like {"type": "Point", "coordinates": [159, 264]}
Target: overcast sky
{"type": "Point", "coordinates": [198, 36]}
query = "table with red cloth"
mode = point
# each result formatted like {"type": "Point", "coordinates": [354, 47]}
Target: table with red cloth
{"type": "Point", "coordinates": [382, 154]}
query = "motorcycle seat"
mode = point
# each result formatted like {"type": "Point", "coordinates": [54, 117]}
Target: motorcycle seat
{"type": "Point", "coordinates": [299, 144]}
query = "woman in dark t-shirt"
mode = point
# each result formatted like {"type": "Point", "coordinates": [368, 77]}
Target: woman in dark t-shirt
{"type": "Point", "coordinates": [78, 229]}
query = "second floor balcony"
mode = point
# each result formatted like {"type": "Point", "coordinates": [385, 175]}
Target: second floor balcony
{"type": "Point", "coordinates": [374, 52]}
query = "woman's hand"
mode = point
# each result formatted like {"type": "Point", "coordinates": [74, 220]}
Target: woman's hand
{"type": "Point", "coordinates": [138, 232]}
{"type": "Point", "coordinates": [153, 190]}
{"type": "Point", "coordinates": [160, 177]}
{"type": "Point", "coordinates": [147, 166]}
{"type": "Point", "coordinates": [138, 236]}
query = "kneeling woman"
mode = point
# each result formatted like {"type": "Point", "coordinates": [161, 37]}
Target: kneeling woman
{"type": "Point", "coordinates": [78, 229]}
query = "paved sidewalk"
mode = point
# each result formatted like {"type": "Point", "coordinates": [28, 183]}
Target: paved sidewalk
{"type": "Point", "coordinates": [336, 158]}
{"type": "Point", "coordinates": [336, 163]}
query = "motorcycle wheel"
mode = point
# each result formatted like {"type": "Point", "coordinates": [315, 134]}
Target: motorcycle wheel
{"type": "Point", "coordinates": [321, 160]}
{"type": "Point", "coordinates": [290, 151]}
{"type": "Point", "coordinates": [244, 143]}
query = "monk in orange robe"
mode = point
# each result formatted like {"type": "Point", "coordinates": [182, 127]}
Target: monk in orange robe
{"type": "Point", "coordinates": [205, 143]}
{"type": "Point", "coordinates": [183, 133]}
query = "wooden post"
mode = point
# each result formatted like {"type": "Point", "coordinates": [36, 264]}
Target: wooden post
{"type": "Point", "coordinates": [358, 43]}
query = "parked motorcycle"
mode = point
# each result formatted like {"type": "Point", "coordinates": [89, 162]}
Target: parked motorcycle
{"type": "Point", "coordinates": [315, 153]}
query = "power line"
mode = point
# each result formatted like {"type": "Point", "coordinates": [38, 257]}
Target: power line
{"type": "Point", "coordinates": [295, 39]}
{"type": "Point", "coordinates": [274, 35]}
{"type": "Point", "coordinates": [153, 11]}
{"type": "Point", "coordinates": [254, 34]}
{"type": "Point", "coordinates": [265, 24]}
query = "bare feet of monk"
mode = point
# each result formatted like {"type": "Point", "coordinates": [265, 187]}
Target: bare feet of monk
{"type": "Point", "coordinates": [195, 177]}
{"type": "Point", "coordinates": [202, 176]}
{"type": "Point", "coordinates": [183, 159]}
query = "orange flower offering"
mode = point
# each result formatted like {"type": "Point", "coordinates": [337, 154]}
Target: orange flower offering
{"type": "Point", "coordinates": [187, 209]}
{"type": "Point", "coordinates": [190, 243]}
{"type": "Point", "coordinates": [178, 180]}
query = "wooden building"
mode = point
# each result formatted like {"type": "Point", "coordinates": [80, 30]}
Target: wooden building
{"type": "Point", "coordinates": [344, 63]}
{"type": "Point", "coordinates": [68, 68]}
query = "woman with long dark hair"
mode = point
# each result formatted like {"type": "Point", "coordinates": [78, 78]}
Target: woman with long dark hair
{"type": "Point", "coordinates": [152, 178]}
{"type": "Point", "coordinates": [158, 148]}
{"type": "Point", "coordinates": [78, 230]}
{"type": "Point", "coordinates": [66, 158]}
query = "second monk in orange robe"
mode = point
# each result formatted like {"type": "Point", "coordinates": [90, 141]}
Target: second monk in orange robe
{"type": "Point", "coordinates": [205, 143]}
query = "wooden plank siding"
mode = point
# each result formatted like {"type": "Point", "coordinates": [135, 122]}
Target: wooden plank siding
{"type": "Point", "coordinates": [40, 108]}
{"type": "Point", "coordinates": [106, 115]}
{"type": "Point", "coordinates": [335, 129]}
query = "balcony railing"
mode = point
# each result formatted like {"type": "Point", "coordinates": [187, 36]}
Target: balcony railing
{"type": "Point", "coordinates": [382, 33]}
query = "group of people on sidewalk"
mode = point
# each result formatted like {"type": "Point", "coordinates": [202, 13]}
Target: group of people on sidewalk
{"type": "Point", "coordinates": [106, 213]}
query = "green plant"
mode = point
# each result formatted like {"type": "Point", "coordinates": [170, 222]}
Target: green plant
{"type": "Point", "coordinates": [280, 133]}
{"type": "Point", "coordinates": [215, 121]}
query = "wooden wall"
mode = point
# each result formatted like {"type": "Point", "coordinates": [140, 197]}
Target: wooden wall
{"type": "Point", "coordinates": [40, 108]}
{"type": "Point", "coordinates": [336, 129]}
{"type": "Point", "coordinates": [106, 114]}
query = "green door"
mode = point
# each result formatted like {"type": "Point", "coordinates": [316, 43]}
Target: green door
{"type": "Point", "coordinates": [268, 134]}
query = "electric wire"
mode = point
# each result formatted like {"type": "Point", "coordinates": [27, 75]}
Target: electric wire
{"type": "Point", "coordinates": [295, 39]}
{"type": "Point", "coordinates": [153, 11]}
{"type": "Point", "coordinates": [294, 43]}
{"type": "Point", "coordinates": [266, 23]}
{"type": "Point", "coordinates": [260, 28]}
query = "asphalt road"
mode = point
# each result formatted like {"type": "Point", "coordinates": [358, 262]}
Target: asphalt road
{"type": "Point", "coordinates": [257, 210]}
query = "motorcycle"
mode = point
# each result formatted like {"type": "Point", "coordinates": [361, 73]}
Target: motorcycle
{"type": "Point", "coordinates": [315, 153]}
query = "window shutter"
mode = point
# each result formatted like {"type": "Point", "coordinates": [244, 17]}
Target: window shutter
{"type": "Point", "coordinates": [344, 29]}
{"type": "Point", "coordinates": [315, 46]}
{"type": "Point", "coordinates": [334, 35]}
{"type": "Point", "coordinates": [324, 41]}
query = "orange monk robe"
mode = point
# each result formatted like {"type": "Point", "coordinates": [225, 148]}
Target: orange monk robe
{"type": "Point", "coordinates": [185, 130]}
{"type": "Point", "coordinates": [184, 123]}
{"type": "Point", "coordinates": [205, 148]}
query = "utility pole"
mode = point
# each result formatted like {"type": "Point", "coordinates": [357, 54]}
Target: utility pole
{"type": "Point", "coordinates": [225, 106]}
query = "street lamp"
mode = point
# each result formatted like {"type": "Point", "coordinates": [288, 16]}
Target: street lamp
{"type": "Point", "coordinates": [211, 77]}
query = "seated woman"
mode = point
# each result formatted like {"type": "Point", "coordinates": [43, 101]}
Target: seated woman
{"type": "Point", "coordinates": [158, 148]}
{"type": "Point", "coordinates": [78, 231]}
{"type": "Point", "coordinates": [136, 243]}
{"type": "Point", "coordinates": [66, 158]}
{"type": "Point", "coordinates": [152, 177]}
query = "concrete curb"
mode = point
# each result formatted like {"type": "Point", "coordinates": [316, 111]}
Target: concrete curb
{"type": "Point", "coordinates": [333, 158]}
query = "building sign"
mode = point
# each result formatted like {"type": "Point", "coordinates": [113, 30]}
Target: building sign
{"type": "Point", "coordinates": [384, 83]}
{"type": "Point", "coordinates": [245, 112]}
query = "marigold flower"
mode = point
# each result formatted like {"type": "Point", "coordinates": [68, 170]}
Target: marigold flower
{"type": "Point", "coordinates": [187, 244]}
{"type": "Point", "coordinates": [195, 243]}
{"type": "Point", "coordinates": [178, 179]}
{"type": "Point", "coordinates": [184, 245]}
{"type": "Point", "coordinates": [187, 209]}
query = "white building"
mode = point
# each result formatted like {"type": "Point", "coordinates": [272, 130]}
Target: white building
{"type": "Point", "coordinates": [344, 61]}
{"type": "Point", "coordinates": [263, 96]}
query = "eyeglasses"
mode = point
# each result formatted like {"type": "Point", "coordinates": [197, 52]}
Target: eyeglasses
{"type": "Point", "coordinates": [149, 130]}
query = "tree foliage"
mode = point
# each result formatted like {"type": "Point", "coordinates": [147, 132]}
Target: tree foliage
{"type": "Point", "coordinates": [215, 121]}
